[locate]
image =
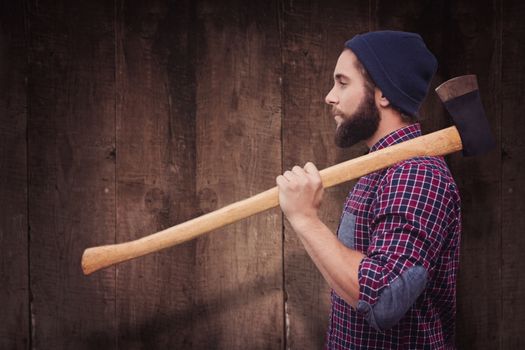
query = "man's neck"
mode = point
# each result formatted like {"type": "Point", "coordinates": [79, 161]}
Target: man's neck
{"type": "Point", "coordinates": [389, 123]}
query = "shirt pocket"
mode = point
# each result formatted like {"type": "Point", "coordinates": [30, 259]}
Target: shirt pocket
{"type": "Point", "coordinates": [346, 231]}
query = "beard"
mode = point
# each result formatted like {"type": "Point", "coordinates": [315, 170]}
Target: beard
{"type": "Point", "coordinates": [358, 126]}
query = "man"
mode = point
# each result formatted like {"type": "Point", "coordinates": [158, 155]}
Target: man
{"type": "Point", "coordinates": [392, 266]}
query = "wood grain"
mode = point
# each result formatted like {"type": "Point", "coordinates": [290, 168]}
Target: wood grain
{"type": "Point", "coordinates": [510, 102]}
{"type": "Point", "coordinates": [238, 274]}
{"type": "Point", "coordinates": [71, 159]}
{"type": "Point", "coordinates": [14, 279]}
{"type": "Point", "coordinates": [155, 170]}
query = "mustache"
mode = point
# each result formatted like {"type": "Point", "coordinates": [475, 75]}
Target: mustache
{"type": "Point", "coordinates": [336, 111]}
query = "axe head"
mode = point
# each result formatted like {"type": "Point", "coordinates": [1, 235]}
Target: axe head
{"type": "Point", "coordinates": [462, 100]}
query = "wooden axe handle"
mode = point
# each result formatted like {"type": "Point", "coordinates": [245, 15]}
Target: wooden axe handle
{"type": "Point", "coordinates": [435, 144]}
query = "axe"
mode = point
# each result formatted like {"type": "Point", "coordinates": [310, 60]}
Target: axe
{"type": "Point", "coordinates": [471, 134]}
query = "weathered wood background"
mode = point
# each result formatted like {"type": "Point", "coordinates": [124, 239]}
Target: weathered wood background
{"type": "Point", "coordinates": [120, 118]}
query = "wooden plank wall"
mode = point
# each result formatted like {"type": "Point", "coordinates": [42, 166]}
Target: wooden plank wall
{"type": "Point", "coordinates": [238, 269]}
{"type": "Point", "coordinates": [512, 207]}
{"type": "Point", "coordinates": [120, 118]}
{"type": "Point", "coordinates": [155, 167]}
{"type": "Point", "coordinates": [14, 277]}
{"type": "Point", "coordinates": [71, 185]}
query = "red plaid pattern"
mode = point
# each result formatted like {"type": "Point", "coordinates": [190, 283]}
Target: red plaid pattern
{"type": "Point", "coordinates": [407, 215]}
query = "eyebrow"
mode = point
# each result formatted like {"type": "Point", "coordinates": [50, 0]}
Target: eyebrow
{"type": "Point", "coordinates": [339, 76]}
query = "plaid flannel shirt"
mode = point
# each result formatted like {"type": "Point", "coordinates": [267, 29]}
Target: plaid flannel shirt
{"type": "Point", "coordinates": [406, 220]}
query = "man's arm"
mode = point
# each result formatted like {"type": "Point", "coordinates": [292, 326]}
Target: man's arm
{"type": "Point", "coordinates": [300, 195]}
{"type": "Point", "coordinates": [414, 208]}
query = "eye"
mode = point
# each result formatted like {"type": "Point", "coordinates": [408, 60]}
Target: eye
{"type": "Point", "coordinates": [342, 83]}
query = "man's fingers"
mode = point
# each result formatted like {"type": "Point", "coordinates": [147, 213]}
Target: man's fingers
{"type": "Point", "coordinates": [310, 168]}
{"type": "Point", "coordinates": [289, 175]}
{"type": "Point", "coordinates": [301, 175]}
{"type": "Point", "coordinates": [313, 173]}
{"type": "Point", "coordinates": [298, 170]}
{"type": "Point", "coordinates": [280, 179]}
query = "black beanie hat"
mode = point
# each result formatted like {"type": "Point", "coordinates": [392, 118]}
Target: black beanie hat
{"type": "Point", "coordinates": [400, 65]}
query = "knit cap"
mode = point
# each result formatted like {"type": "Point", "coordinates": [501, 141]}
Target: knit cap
{"type": "Point", "coordinates": [400, 65]}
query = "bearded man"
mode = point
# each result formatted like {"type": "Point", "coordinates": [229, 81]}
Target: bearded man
{"type": "Point", "coordinates": [393, 264]}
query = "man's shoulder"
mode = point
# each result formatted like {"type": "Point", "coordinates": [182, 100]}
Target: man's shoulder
{"type": "Point", "coordinates": [426, 179]}
{"type": "Point", "coordinates": [422, 170]}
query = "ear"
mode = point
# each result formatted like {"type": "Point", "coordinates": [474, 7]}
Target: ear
{"type": "Point", "coordinates": [381, 100]}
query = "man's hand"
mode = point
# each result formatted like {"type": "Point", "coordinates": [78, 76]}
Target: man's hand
{"type": "Point", "coordinates": [300, 193]}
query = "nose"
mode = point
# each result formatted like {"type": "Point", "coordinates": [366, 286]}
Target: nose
{"type": "Point", "coordinates": [331, 98]}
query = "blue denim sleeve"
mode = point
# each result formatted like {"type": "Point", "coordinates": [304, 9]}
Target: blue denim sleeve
{"type": "Point", "coordinates": [396, 299]}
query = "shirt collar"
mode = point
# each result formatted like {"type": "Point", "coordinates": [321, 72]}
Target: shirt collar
{"type": "Point", "coordinates": [398, 136]}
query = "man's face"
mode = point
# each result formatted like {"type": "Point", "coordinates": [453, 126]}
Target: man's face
{"type": "Point", "coordinates": [353, 103]}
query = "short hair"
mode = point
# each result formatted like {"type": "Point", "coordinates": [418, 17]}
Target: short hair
{"type": "Point", "coordinates": [370, 85]}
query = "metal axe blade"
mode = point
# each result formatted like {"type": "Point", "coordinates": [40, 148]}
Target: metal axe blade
{"type": "Point", "coordinates": [462, 100]}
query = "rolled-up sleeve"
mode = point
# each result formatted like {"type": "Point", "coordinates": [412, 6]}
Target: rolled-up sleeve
{"type": "Point", "coordinates": [408, 230]}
